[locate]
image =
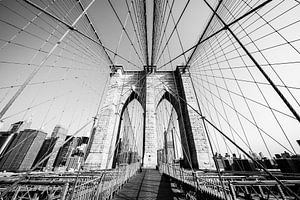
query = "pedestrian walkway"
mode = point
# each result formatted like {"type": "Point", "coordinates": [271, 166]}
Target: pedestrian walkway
{"type": "Point", "coordinates": [149, 184]}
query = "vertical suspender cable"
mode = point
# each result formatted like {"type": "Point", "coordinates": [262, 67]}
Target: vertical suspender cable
{"type": "Point", "coordinates": [37, 69]}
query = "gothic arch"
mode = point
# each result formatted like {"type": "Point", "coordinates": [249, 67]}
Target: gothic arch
{"type": "Point", "coordinates": [168, 96]}
{"type": "Point", "coordinates": [130, 98]}
{"type": "Point", "coordinates": [185, 144]}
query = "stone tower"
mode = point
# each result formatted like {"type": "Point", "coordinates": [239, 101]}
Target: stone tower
{"type": "Point", "coordinates": [149, 87]}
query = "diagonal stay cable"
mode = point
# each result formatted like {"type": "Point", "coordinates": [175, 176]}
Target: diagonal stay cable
{"type": "Point", "coordinates": [25, 176]}
{"type": "Point", "coordinates": [241, 149]}
{"type": "Point", "coordinates": [133, 25]}
{"type": "Point", "coordinates": [204, 32]}
{"type": "Point", "coordinates": [29, 108]}
{"type": "Point", "coordinates": [177, 33]}
{"type": "Point", "coordinates": [164, 48]}
{"type": "Point", "coordinates": [92, 54]}
{"type": "Point", "coordinates": [286, 102]}
{"type": "Point", "coordinates": [242, 115]}
{"type": "Point", "coordinates": [37, 69]}
{"type": "Point", "coordinates": [38, 83]}
{"type": "Point", "coordinates": [95, 32]}
{"type": "Point", "coordinates": [76, 30]}
{"type": "Point", "coordinates": [48, 66]}
{"type": "Point", "coordinates": [239, 95]}
{"type": "Point", "coordinates": [259, 27]}
{"type": "Point", "coordinates": [164, 31]}
{"type": "Point", "coordinates": [217, 32]}
{"type": "Point", "coordinates": [159, 11]}
{"type": "Point", "coordinates": [126, 33]}
{"type": "Point", "coordinates": [252, 76]}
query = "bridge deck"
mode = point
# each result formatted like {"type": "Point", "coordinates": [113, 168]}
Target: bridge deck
{"type": "Point", "coordinates": [149, 184]}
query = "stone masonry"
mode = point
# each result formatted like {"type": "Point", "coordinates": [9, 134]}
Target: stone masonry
{"type": "Point", "coordinates": [149, 88]}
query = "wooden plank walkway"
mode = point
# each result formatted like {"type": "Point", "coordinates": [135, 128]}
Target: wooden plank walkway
{"type": "Point", "coordinates": [149, 184]}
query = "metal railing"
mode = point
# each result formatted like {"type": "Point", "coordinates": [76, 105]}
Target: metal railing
{"type": "Point", "coordinates": [89, 186]}
{"type": "Point", "coordinates": [209, 185]}
{"type": "Point", "coordinates": [105, 185]}
{"type": "Point", "coordinates": [232, 188]}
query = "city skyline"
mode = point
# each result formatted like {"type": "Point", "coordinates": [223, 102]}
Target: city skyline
{"type": "Point", "coordinates": [61, 153]}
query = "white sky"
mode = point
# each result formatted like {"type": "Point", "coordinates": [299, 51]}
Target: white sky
{"type": "Point", "coordinates": [78, 77]}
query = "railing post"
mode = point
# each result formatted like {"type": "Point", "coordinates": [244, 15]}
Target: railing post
{"type": "Point", "coordinates": [168, 169]}
{"type": "Point", "coordinates": [194, 179]}
{"type": "Point", "coordinates": [182, 175]}
{"type": "Point", "coordinates": [16, 193]}
{"type": "Point", "coordinates": [232, 191]}
{"type": "Point", "coordinates": [261, 191]}
{"type": "Point", "coordinates": [281, 192]}
{"type": "Point", "coordinates": [246, 189]}
{"type": "Point", "coordinates": [100, 187]}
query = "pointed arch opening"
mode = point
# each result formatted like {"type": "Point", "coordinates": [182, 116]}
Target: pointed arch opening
{"type": "Point", "coordinates": [173, 146]}
{"type": "Point", "coordinates": [130, 134]}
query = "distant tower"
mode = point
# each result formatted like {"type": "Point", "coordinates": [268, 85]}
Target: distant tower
{"type": "Point", "coordinates": [19, 126]}
{"type": "Point", "coordinates": [1, 124]}
{"type": "Point", "coordinates": [45, 150]}
{"type": "Point", "coordinates": [23, 150]}
{"type": "Point", "coordinates": [65, 151]}
{"type": "Point", "coordinates": [60, 133]}
{"type": "Point", "coordinates": [51, 146]}
{"type": "Point", "coordinates": [177, 89]}
{"type": "Point", "coordinates": [6, 137]}
{"type": "Point", "coordinates": [71, 154]}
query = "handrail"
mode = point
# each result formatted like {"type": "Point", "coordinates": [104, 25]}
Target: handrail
{"type": "Point", "coordinates": [234, 187]}
{"type": "Point", "coordinates": [106, 186]}
{"type": "Point", "coordinates": [99, 185]}
{"type": "Point", "coordinates": [206, 184]}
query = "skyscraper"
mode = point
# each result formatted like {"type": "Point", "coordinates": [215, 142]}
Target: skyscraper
{"type": "Point", "coordinates": [6, 137]}
{"type": "Point", "coordinates": [23, 150]}
{"type": "Point", "coordinates": [51, 146]}
{"type": "Point", "coordinates": [45, 150]}
{"type": "Point", "coordinates": [65, 151]}
{"type": "Point", "coordinates": [71, 149]}
{"type": "Point", "coordinates": [60, 134]}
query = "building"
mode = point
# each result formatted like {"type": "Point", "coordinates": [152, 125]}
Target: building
{"type": "Point", "coordinates": [220, 159]}
{"type": "Point", "coordinates": [288, 163]}
{"type": "Point", "coordinates": [45, 150]}
{"type": "Point", "coordinates": [65, 151]}
{"type": "Point", "coordinates": [59, 133]}
{"type": "Point", "coordinates": [51, 146]}
{"type": "Point", "coordinates": [23, 150]}
{"type": "Point", "coordinates": [74, 147]}
{"type": "Point", "coordinates": [6, 137]}
{"type": "Point", "coordinates": [73, 163]}
{"type": "Point", "coordinates": [19, 126]}
{"type": "Point", "coordinates": [89, 145]}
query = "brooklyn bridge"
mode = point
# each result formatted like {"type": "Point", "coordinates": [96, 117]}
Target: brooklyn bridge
{"type": "Point", "coordinates": [141, 99]}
